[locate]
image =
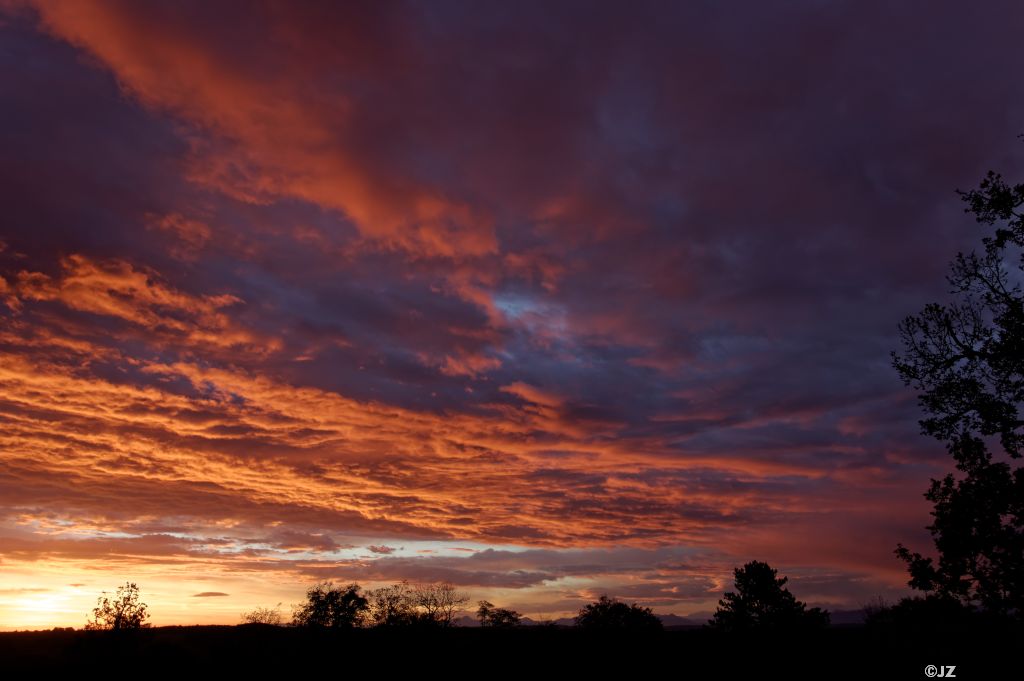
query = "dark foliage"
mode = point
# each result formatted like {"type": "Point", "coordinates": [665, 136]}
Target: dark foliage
{"type": "Point", "coordinates": [491, 616]}
{"type": "Point", "coordinates": [332, 607]}
{"type": "Point", "coordinates": [762, 601]}
{"type": "Point", "coordinates": [123, 611]}
{"type": "Point", "coordinates": [610, 613]}
{"type": "Point", "coordinates": [966, 360]}
{"type": "Point", "coordinates": [922, 615]}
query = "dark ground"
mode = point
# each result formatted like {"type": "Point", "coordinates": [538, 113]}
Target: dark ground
{"type": "Point", "coordinates": [529, 652]}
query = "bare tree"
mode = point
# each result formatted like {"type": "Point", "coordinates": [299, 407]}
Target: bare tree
{"type": "Point", "coordinates": [391, 606]}
{"type": "Point", "coordinates": [434, 604]}
{"type": "Point", "coordinates": [270, 616]}
{"type": "Point", "coordinates": [439, 602]}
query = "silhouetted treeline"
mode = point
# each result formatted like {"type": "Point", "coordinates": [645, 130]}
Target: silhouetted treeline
{"type": "Point", "coordinates": [399, 605]}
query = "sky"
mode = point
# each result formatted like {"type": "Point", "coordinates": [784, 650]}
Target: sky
{"type": "Point", "coordinates": [547, 300]}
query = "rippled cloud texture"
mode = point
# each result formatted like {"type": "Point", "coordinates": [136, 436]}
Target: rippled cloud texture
{"type": "Point", "coordinates": [545, 299]}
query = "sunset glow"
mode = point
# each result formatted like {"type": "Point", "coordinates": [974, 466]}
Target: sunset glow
{"type": "Point", "coordinates": [545, 302]}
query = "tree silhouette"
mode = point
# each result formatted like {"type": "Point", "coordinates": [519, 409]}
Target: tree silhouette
{"type": "Point", "coordinates": [330, 606]}
{"type": "Point", "coordinates": [392, 606]}
{"type": "Point", "coordinates": [610, 613]}
{"type": "Point", "coordinates": [762, 601]}
{"type": "Point", "coordinates": [491, 616]}
{"type": "Point", "coordinates": [123, 611]}
{"type": "Point", "coordinates": [966, 360]}
{"type": "Point", "coordinates": [439, 603]}
{"type": "Point", "coordinates": [402, 604]}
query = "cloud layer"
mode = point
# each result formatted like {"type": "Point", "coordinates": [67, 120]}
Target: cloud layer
{"type": "Point", "coordinates": [543, 300]}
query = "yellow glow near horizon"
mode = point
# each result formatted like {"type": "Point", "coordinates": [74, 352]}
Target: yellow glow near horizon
{"type": "Point", "coordinates": [42, 608]}
{"type": "Point", "coordinates": [63, 593]}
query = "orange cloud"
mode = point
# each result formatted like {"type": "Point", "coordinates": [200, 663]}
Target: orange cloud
{"type": "Point", "coordinates": [191, 235]}
{"type": "Point", "coordinates": [116, 289]}
{"type": "Point", "coordinates": [533, 394]}
{"type": "Point", "coordinates": [468, 364]}
{"type": "Point", "coordinates": [272, 136]}
{"type": "Point", "coordinates": [336, 287]}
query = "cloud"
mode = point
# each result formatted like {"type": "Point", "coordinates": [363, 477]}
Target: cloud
{"type": "Point", "coordinates": [116, 289]}
{"type": "Point", "coordinates": [314, 153]}
{"type": "Point", "coordinates": [381, 549]}
{"type": "Point", "coordinates": [191, 234]}
{"type": "Point", "coordinates": [210, 594]}
{"type": "Point", "coordinates": [533, 394]}
{"type": "Point", "coordinates": [604, 299]}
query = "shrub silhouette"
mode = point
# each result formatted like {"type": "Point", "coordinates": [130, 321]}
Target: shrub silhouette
{"type": "Point", "coordinates": [123, 611]}
{"type": "Point", "coordinates": [916, 615]}
{"type": "Point", "coordinates": [610, 613]}
{"type": "Point", "coordinates": [491, 616]}
{"type": "Point", "coordinates": [761, 601]}
{"type": "Point", "coordinates": [271, 616]}
{"type": "Point", "coordinates": [330, 606]}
